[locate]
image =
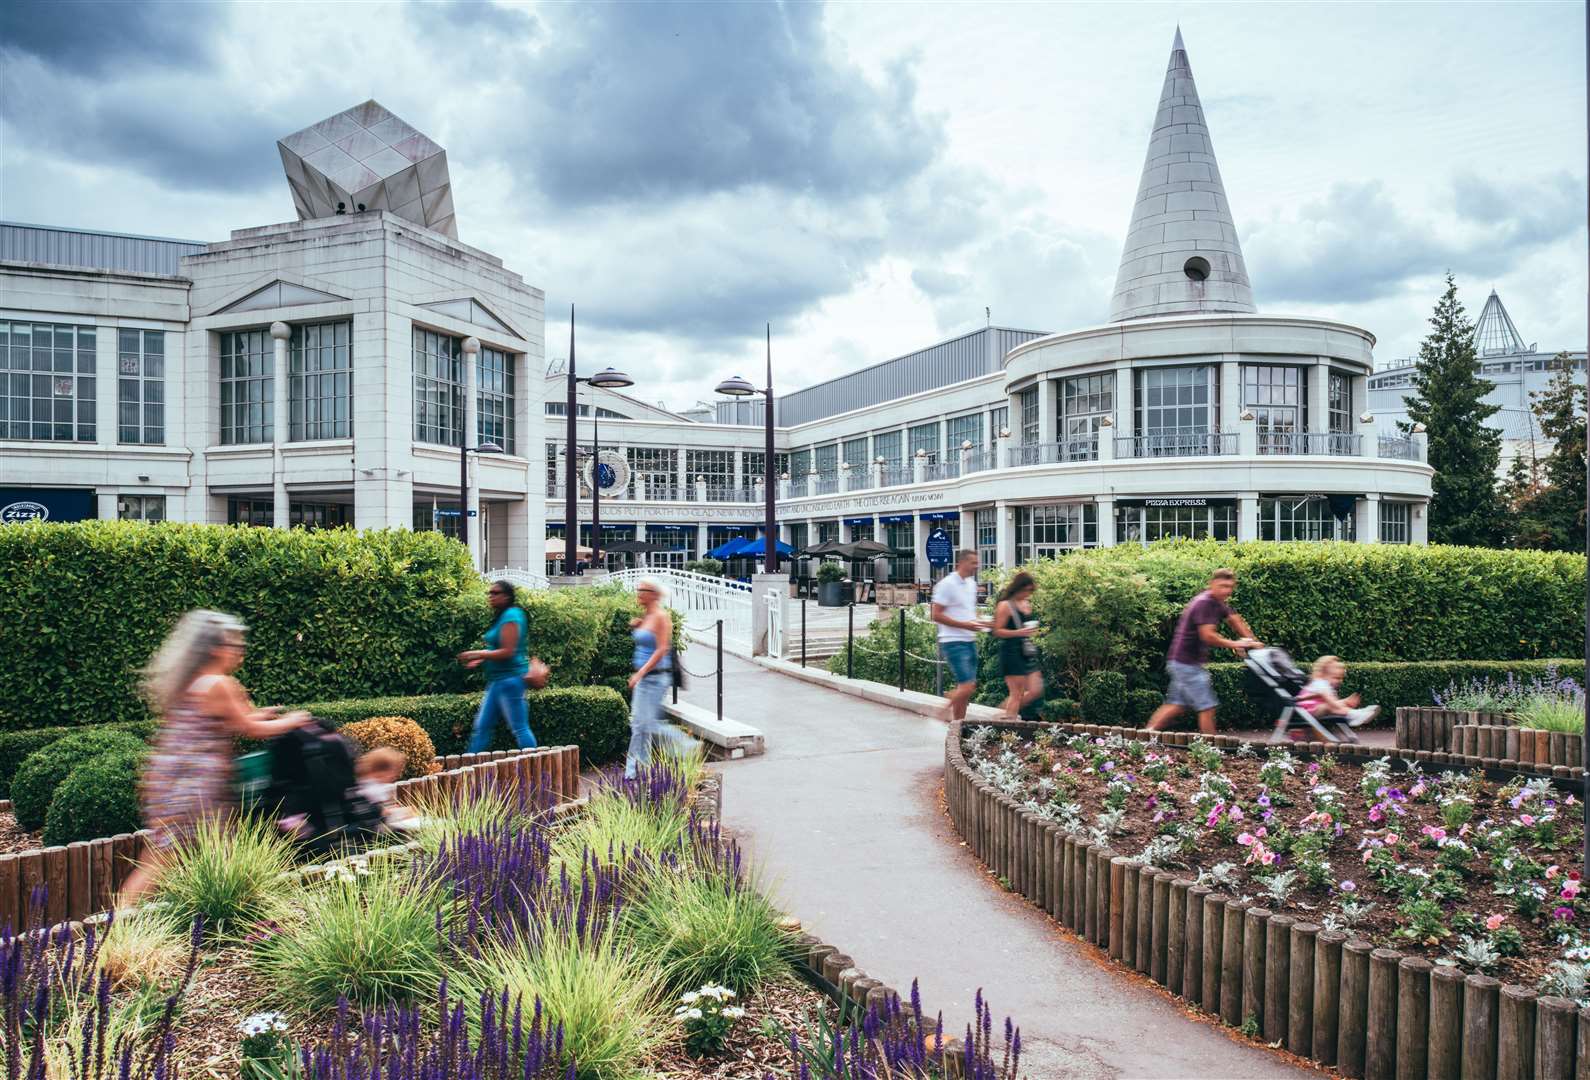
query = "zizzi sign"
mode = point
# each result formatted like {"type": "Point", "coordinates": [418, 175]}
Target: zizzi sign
{"type": "Point", "coordinates": [23, 510]}
{"type": "Point", "coordinates": [19, 505]}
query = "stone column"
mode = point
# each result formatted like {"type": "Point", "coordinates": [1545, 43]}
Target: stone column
{"type": "Point", "coordinates": [1248, 515]}
{"type": "Point", "coordinates": [1419, 523]}
{"type": "Point", "coordinates": [1106, 518]}
{"type": "Point", "coordinates": [1012, 422]}
{"type": "Point", "coordinates": [701, 541]}
{"type": "Point", "coordinates": [1247, 435]}
{"type": "Point", "coordinates": [682, 478]}
{"type": "Point", "coordinates": [1368, 519]}
{"type": "Point", "coordinates": [919, 467]}
{"type": "Point", "coordinates": [739, 469]}
{"type": "Point", "coordinates": [876, 469]}
{"type": "Point", "coordinates": [844, 531]}
{"type": "Point", "coordinates": [919, 531]}
{"type": "Point", "coordinates": [280, 333]}
{"type": "Point", "coordinates": [640, 538]}
{"type": "Point", "coordinates": [1125, 399]}
{"type": "Point", "coordinates": [1421, 443]}
{"type": "Point", "coordinates": [1106, 445]}
{"type": "Point", "coordinates": [1005, 533]}
{"type": "Point", "coordinates": [1230, 395]}
{"type": "Point", "coordinates": [471, 518]}
{"type": "Point", "coordinates": [1048, 411]}
{"type": "Point", "coordinates": [1319, 396]}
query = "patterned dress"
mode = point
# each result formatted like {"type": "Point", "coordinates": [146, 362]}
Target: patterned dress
{"type": "Point", "coordinates": [189, 772]}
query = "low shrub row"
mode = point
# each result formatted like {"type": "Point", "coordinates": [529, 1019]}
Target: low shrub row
{"type": "Point", "coordinates": [17, 746]}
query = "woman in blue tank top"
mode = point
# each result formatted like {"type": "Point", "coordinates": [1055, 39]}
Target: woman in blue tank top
{"type": "Point", "coordinates": [654, 659]}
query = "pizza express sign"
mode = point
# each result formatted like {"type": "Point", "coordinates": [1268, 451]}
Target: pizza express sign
{"type": "Point", "coordinates": [19, 505]}
{"type": "Point", "coordinates": [1198, 501]}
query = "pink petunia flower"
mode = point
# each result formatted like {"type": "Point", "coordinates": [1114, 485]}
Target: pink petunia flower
{"type": "Point", "coordinates": [1494, 922]}
{"type": "Point", "coordinates": [1562, 913]}
{"type": "Point", "coordinates": [1236, 813]}
{"type": "Point", "coordinates": [1244, 839]}
{"type": "Point", "coordinates": [1375, 814]}
{"type": "Point", "coordinates": [1527, 819]}
{"type": "Point", "coordinates": [1348, 886]}
{"type": "Point", "coordinates": [1551, 872]}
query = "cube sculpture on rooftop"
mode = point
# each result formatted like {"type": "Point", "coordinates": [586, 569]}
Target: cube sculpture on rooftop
{"type": "Point", "coordinates": [367, 155]}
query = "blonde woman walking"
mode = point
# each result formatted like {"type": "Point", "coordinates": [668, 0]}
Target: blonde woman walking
{"type": "Point", "coordinates": [654, 659]}
{"type": "Point", "coordinates": [203, 709]}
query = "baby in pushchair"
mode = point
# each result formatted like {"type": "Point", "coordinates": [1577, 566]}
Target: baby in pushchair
{"type": "Point", "coordinates": [1285, 696]}
{"type": "Point", "coordinates": [315, 792]}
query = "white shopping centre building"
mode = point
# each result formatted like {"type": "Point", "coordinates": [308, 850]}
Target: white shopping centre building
{"type": "Point", "coordinates": [320, 372]}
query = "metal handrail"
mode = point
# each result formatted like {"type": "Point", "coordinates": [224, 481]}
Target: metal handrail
{"type": "Point", "coordinates": [941, 470]}
{"type": "Point", "coordinates": [1398, 448]}
{"type": "Point", "coordinates": [981, 461]}
{"type": "Point", "coordinates": [896, 474]}
{"type": "Point", "coordinates": [519, 579]}
{"type": "Point", "coordinates": [1181, 444]}
{"type": "Point", "coordinates": [699, 598]}
{"type": "Point", "coordinates": [1336, 443]}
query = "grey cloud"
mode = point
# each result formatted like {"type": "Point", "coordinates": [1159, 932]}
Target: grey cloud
{"type": "Point", "coordinates": [94, 36]}
{"type": "Point", "coordinates": [476, 15]}
{"type": "Point", "coordinates": [936, 282]}
{"type": "Point", "coordinates": [641, 101]}
{"type": "Point", "coordinates": [1031, 275]}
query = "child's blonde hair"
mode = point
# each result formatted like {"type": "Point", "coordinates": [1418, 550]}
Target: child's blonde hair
{"type": "Point", "coordinates": [1323, 665]}
{"type": "Point", "coordinates": [382, 759]}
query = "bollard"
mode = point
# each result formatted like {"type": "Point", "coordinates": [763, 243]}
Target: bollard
{"type": "Point", "coordinates": [1129, 916]}
{"type": "Point", "coordinates": [720, 671]}
{"type": "Point", "coordinates": [1354, 1009]}
{"type": "Point", "coordinates": [1079, 877]}
{"type": "Point", "coordinates": [1255, 921]}
{"type": "Point", "coordinates": [1413, 1017]}
{"type": "Point", "coordinates": [1445, 1055]}
{"type": "Point", "coordinates": [803, 636]}
{"type": "Point", "coordinates": [1159, 930]}
{"type": "Point", "coordinates": [1176, 936]}
{"type": "Point", "coordinates": [1090, 892]}
{"type": "Point", "coordinates": [1068, 884]}
{"type": "Point", "coordinates": [1555, 1036]}
{"type": "Point", "coordinates": [1192, 968]}
{"type": "Point", "coordinates": [1300, 990]}
{"type": "Point", "coordinates": [850, 640]}
{"type": "Point", "coordinates": [1380, 1044]}
{"type": "Point", "coordinates": [1231, 964]}
{"type": "Point", "coordinates": [1515, 1034]}
{"type": "Point", "coordinates": [1277, 977]}
{"type": "Point", "coordinates": [1481, 1016]}
{"type": "Point", "coordinates": [1327, 990]}
{"type": "Point", "coordinates": [1214, 931]}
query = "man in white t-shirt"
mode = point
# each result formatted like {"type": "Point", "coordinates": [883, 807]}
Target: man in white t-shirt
{"type": "Point", "coordinates": [955, 610]}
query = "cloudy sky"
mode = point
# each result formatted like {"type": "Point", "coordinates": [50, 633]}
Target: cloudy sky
{"type": "Point", "coordinates": [866, 177]}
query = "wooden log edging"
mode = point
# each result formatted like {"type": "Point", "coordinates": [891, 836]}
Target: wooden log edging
{"type": "Point", "coordinates": [1368, 1012]}
{"type": "Point", "coordinates": [83, 878]}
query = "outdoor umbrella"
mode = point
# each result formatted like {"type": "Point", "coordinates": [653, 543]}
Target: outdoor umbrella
{"type": "Point", "coordinates": [825, 547]}
{"type": "Point", "coordinates": [555, 549]}
{"type": "Point", "coordinates": [633, 547]}
{"type": "Point", "coordinates": [727, 550]}
{"type": "Point", "coordinates": [865, 549]}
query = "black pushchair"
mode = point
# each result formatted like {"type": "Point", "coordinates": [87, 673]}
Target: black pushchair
{"type": "Point", "coordinates": [1272, 683]}
{"type": "Point", "coordinates": [313, 786]}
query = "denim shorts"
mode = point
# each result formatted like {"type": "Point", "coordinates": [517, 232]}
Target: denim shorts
{"type": "Point", "coordinates": [962, 659]}
{"type": "Point", "coordinates": [1190, 686]}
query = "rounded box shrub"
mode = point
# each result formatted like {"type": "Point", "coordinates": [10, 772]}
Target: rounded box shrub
{"type": "Point", "coordinates": [99, 798]}
{"type": "Point", "coordinates": [35, 782]}
{"type": "Point", "coordinates": [1104, 698]}
{"type": "Point", "coordinates": [401, 734]}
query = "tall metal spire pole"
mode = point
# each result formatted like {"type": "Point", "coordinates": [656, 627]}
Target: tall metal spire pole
{"type": "Point", "coordinates": [571, 506]}
{"type": "Point", "coordinates": [770, 472]}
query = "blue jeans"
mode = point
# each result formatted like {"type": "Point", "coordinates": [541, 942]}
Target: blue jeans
{"type": "Point", "coordinates": [646, 720]}
{"type": "Point", "coordinates": [504, 698]}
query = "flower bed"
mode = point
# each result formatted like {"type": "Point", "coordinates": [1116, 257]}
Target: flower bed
{"type": "Point", "coordinates": [1359, 914]}
{"type": "Point", "coordinates": [506, 941]}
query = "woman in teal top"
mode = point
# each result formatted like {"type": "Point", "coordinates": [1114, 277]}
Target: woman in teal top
{"type": "Point", "coordinates": [507, 661]}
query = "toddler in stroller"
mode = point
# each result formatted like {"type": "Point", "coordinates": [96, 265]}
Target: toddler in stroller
{"type": "Point", "coordinates": [1276, 686]}
{"type": "Point", "coordinates": [314, 791]}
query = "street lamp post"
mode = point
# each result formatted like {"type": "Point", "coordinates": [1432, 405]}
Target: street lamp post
{"type": "Point", "coordinates": [738, 387]}
{"type": "Point", "coordinates": [604, 380]}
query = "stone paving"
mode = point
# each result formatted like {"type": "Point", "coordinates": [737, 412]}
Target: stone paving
{"type": "Point", "coordinates": [843, 819]}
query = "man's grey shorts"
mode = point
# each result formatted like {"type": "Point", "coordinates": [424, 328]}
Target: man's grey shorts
{"type": "Point", "coordinates": [1190, 686]}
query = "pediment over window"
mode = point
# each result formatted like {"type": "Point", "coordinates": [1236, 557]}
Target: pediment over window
{"type": "Point", "coordinates": [470, 310]}
{"type": "Point", "coordinates": [279, 294]}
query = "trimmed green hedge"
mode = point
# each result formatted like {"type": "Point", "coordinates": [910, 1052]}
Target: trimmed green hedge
{"type": "Point", "coordinates": [17, 746]}
{"type": "Point", "coordinates": [595, 718]}
{"type": "Point", "coordinates": [45, 770]}
{"type": "Point", "coordinates": [99, 798]}
{"type": "Point", "coordinates": [331, 614]}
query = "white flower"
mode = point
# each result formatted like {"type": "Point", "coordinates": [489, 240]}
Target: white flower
{"type": "Point", "coordinates": [734, 1012]}
{"type": "Point", "coordinates": [690, 997]}
{"type": "Point", "coordinates": [693, 1014]}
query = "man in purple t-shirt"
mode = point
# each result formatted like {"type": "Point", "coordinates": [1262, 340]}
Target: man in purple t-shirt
{"type": "Point", "coordinates": [1187, 662]}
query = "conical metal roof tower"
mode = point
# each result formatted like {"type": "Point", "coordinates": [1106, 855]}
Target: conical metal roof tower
{"type": "Point", "coordinates": [1495, 334]}
{"type": "Point", "coordinates": [1181, 255]}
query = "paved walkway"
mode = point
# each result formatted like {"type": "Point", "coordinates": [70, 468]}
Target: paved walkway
{"type": "Point", "coordinates": [844, 820]}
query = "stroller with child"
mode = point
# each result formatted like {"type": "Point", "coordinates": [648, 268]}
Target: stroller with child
{"type": "Point", "coordinates": [1272, 683]}
{"type": "Point", "coordinates": [304, 780]}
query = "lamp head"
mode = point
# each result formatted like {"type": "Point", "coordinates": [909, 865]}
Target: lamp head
{"type": "Point", "coordinates": [488, 448]}
{"type": "Point", "coordinates": [610, 380]}
{"type": "Point", "coordinates": [736, 387]}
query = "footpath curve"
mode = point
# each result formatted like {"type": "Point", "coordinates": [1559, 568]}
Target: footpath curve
{"type": "Point", "coordinates": [843, 818]}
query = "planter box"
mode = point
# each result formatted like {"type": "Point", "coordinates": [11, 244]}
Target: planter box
{"type": "Point", "coordinates": [831, 594]}
{"type": "Point", "coordinates": [1524, 745]}
{"type": "Point", "coordinates": [1420, 728]}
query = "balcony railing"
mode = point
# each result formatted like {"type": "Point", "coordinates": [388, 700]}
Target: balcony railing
{"type": "Point", "coordinates": [895, 474]}
{"type": "Point", "coordinates": [1181, 444]}
{"type": "Point", "coordinates": [1398, 448]}
{"type": "Point", "coordinates": [982, 460]}
{"type": "Point", "coordinates": [826, 484]}
{"type": "Point", "coordinates": [1340, 444]}
{"type": "Point", "coordinates": [733, 494]}
{"type": "Point", "coordinates": [941, 470]}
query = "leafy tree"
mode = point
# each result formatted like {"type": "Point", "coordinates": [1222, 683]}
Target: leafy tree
{"type": "Point", "coordinates": [1551, 512]}
{"type": "Point", "coordinates": [1449, 400]}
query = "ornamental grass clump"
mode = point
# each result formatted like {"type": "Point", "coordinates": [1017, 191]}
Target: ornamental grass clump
{"type": "Point", "coordinates": [372, 935]}
{"type": "Point", "coordinates": [225, 873]}
{"type": "Point", "coordinates": [648, 814]}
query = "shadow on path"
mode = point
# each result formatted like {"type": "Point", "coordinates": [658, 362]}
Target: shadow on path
{"type": "Point", "coordinates": [843, 819]}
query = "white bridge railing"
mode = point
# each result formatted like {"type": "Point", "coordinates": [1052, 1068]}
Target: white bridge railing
{"type": "Point", "coordinates": [701, 600]}
{"type": "Point", "coordinates": [519, 579]}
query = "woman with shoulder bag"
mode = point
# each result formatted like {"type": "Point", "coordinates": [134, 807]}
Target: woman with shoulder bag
{"type": "Point", "coordinates": [1014, 626]}
{"type": "Point", "coordinates": [655, 674]}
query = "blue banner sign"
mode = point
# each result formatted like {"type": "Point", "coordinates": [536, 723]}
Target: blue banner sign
{"type": "Point", "coordinates": [18, 505]}
{"type": "Point", "coordinates": [939, 548]}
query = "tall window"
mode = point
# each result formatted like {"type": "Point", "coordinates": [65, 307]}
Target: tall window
{"type": "Point", "coordinates": [141, 507]}
{"type": "Point", "coordinates": [654, 470]}
{"type": "Point", "coordinates": [988, 536]}
{"type": "Point", "coordinates": [320, 382]}
{"type": "Point", "coordinates": [901, 538]}
{"type": "Point", "coordinates": [494, 399]}
{"type": "Point", "coordinates": [1084, 401]}
{"type": "Point", "coordinates": [716, 467]}
{"type": "Point", "coordinates": [48, 388]}
{"type": "Point", "coordinates": [998, 419]}
{"type": "Point", "coordinates": [863, 530]}
{"type": "Point", "coordinates": [1045, 531]}
{"type": "Point", "coordinates": [141, 386]}
{"type": "Point", "coordinates": [1396, 526]}
{"type": "Point", "coordinates": [247, 388]}
{"type": "Point", "coordinates": [1029, 416]}
{"type": "Point", "coordinates": [827, 460]}
{"type": "Point", "coordinates": [1278, 398]}
{"type": "Point", "coordinates": [753, 465]}
{"type": "Point", "coordinates": [259, 512]}
{"type": "Point", "coordinates": [854, 454]}
{"type": "Point", "coordinates": [1139, 524]}
{"type": "Point", "coordinates": [1176, 401]}
{"type": "Point", "coordinates": [438, 387]}
{"type": "Point", "coordinates": [797, 535]}
{"type": "Point", "coordinates": [960, 429]}
{"type": "Point", "coordinates": [1302, 518]}
{"type": "Point", "coordinates": [924, 437]}
{"type": "Point", "coordinates": [1340, 404]}
{"type": "Point", "coordinates": [800, 463]}
{"type": "Point", "coordinates": [886, 444]}
{"type": "Point", "coordinates": [552, 469]}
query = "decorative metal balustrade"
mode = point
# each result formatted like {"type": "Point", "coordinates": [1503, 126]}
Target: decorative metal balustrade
{"type": "Point", "coordinates": [1180, 444]}
{"type": "Point", "coordinates": [1338, 444]}
{"type": "Point", "coordinates": [1398, 448]}
{"type": "Point", "coordinates": [700, 600]}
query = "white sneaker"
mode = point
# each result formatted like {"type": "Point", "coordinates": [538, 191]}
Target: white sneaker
{"type": "Point", "coordinates": [1357, 718]}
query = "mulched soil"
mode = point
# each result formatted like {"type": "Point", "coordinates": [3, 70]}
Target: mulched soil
{"type": "Point", "coordinates": [14, 838]}
{"type": "Point", "coordinates": [1384, 925]}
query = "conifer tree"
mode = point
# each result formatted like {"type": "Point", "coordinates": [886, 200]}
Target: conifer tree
{"type": "Point", "coordinates": [1553, 515]}
{"type": "Point", "coordinates": [1449, 400]}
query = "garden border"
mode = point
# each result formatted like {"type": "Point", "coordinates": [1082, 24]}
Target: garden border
{"type": "Point", "coordinates": [1489, 735]}
{"type": "Point", "coordinates": [83, 877]}
{"type": "Point", "coordinates": [1369, 1012]}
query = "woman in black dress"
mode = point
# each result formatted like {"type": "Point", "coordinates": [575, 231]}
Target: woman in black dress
{"type": "Point", "coordinates": [1014, 626]}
